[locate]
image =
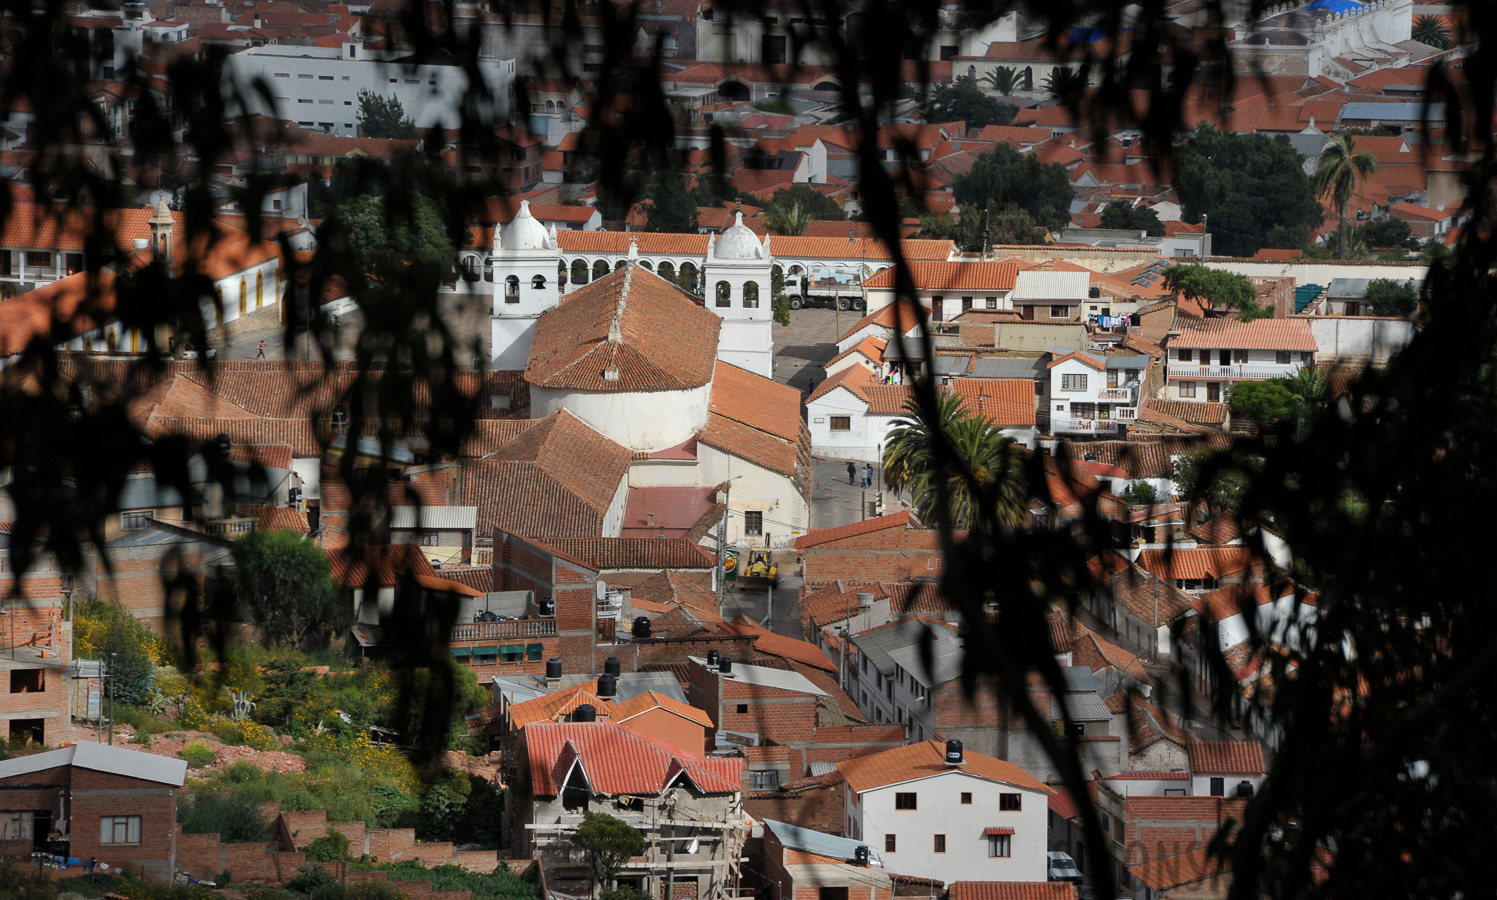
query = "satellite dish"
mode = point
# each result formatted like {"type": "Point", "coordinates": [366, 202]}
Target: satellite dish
{"type": "Point", "coordinates": [602, 590]}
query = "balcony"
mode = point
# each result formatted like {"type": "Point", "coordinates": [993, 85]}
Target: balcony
{"type": "Point", "coordinates": [492, 631]}
{"type": "Point", "coordinates": [1125, 394]}
{"type": "Point", "coordinates": [1070, 425]}
{"type": "Point", "coordinates": [1249, 371]}
{"type": "Point", "coordinates": [1128, 413]}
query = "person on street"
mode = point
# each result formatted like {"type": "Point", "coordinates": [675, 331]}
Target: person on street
{"type": "Point", "coordinates": [852, 472]}
{"type": "Point", "coordinates": [261, 354]}
{"type": "Point", "coordinates": [868, 475]}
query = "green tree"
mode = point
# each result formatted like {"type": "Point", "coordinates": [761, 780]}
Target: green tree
{"type": "Point", "coordinates": [910, 446]}
{"type": "Point", "coordinates": [391, 243]}
{"type": "Point", "coordinates": [1309, 383]}
{"type": "Point", "coordinates": [235, 819]}
{"type": "Point", "coordinates": [1244, 186]}
{"type": "Point", "coordinates": [1003, 79]}
{"type": "Point", "coordinates": [382, 116]}
{"type": "Point", "coordinates": [1198, 482]}
{"type": "Point", "coordinates": [813, 203]}
{"type": "Point", "coordinates": [1216, 287]}
{"type": "Point", "coordinates": [1338, 170]}
{"type": "Point", "coordinates": [1391, 298]}
{"type": "Point", "coordinates": [1431, 31]}
{"type": "Point", "coordinates": [1133, 218]}
{"type": "Point", "coordinates": [1389, 232]}
{"type": "Point", "coordinates": [1263, 401]}
{"type": "Point", "coordinates": [1141, 493]}
{"type": "Point", "coordinates": [330, 847]}
{"type": "Point", "coordinates": [669, 206]}
{"type": "Point", "coordinates": [22, 882]}
{"type": "Point", "coordinates": [609, 843]}
{"type": "Point", "coordinates": [124, 651]}
{"type": "Point", "coordinates": [287, 585]}
{"type": "Point", "coordinates": [984, 471]}
{"type": "Point", "coordinates": [964, 102]}
{"type": "Point", "coordinates": [778, 298]}
{"type": "Point", "coordinates": [1066, 84]}
{"type": "Point", "coordinates": [1005, 176]}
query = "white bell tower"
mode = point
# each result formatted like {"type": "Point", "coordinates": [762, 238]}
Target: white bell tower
{"type": "Point", "coordinates": [736, 285]}
{"type": "Point", "coordinates": [524, 257]}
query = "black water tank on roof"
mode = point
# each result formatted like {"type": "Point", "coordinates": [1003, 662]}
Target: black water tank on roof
{"type": "Point", "coordinates": [608, 686]}
{"type": "Point", "coordinates": [712, 658]}
{"type": "Point", "coordinates": [641, 627]}
{"type": "Point", "coordinates": [611, 666]}
{"type": "Point", "coordinates": [725, 665]}
{"type": "Point", "coordinates": [860, 855]}
{"type": "Point", "coordinates": [546, 607]}
{"type": "Point", "coordinates": [553, 667]}
{"type": "Point", "coordinates": [954, 753]}
{"type": "Point", "coordinates": [585, 713]}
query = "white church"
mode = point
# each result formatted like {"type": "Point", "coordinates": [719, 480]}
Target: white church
{"type": "Point", "coordinates": [526, 259]}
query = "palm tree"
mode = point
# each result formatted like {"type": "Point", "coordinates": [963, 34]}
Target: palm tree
{"type": "Point", "coordinates": [1063, 83]}
{"type": "Point", "coordinates": [1310, 383]}
{"type": "Point", "coordinates": [1004, 79]}
{"type": "Point", "coordinates": [985, 475]}
{"type": "Point", "coordinates": [1431, 31]}
{"type": "Point", "coordinates": [790, 222]}
{"type": "Point", "coordinates": [1340, 167]}
{"type": "Point", "coordinates": [910, 448]}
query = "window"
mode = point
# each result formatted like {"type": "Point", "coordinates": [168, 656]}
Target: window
{"type": "Point", "coordinates": [75, 263]}
{"type": "Point", "coordinates": [538, 283]}
{"type": "Point", "coordinates": [1186, 355]}
{"type": "Point", "coordinates": [119, 830]}
{"type": "Point", "coordinates": [1060, 312]}
{"type": "Point", "coordinates": [753, 522]}
{"type": "Point", "coordinates": [743, 709]}
{"type": "Point", "coordinates": [509, 653]}
{"type": "Point", "coordinates": [1281, 357]}
{"type": "Point", "coordinates": [889, 843]}
{"type": "Point", "coordinates": [767, 780]}
{"type": "Point", "coordinates": [1000, 846]}
{"type": "Point", "coordinates": [1112, 378]}
{"type": "Point", "coordinates": [324, 78]}
{"type": "Point", "coordinates": [1239, 356]}
{"type": "Point", "coordinates": [992, 303]}
{"type": "Point", "coordinates": [17, 826]}
{"type": "Point", "coordinates": [429, 539]}
{"type": "Point", "coordinates": [724, 294]}
{"type": "Point", "coordinates": [40, 258]}
{"type": "Point", "coordinates": [306, 77]}
{"type": "Point", "coordinates": [842, 423]}
{"type": "Point", "coordinates": [283, 74]}
{"type": "Point", "coordinates": [1187, 389]}
{"type": "Point", "coordinates": [1218, 787]}
{"type": "Point", "coordinates": [751, 295]}
{"type": "Point", "coordinates": [132, 521]}
{"type": "Point", "coordinates": [904, 800]}
{"type": "Point", "coordinates": [940, 844]}
{"type": "Point", "coordinates": [1009, 802]}
{"type": "Point", "coordinates": [966, 303]}
{"type": "Point", "coordinates": [966, 798]}
{"type": "Point", "coordinates": [1073, 382]}
{"type": "Point", "coordinates": [27, 681]}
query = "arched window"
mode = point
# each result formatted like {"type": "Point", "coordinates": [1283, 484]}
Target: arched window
{"type": "Point", "coordinates": [724, 294]}
{"type": "Point", "coordinates": [134, 340]}
{"type": "Point", "coordinates": [619, 265]}
{"type": "Point", "coordinates": [1029, 78]}
{"type": "Point", "coordinates": [600, 269]}
{"type": "Point", "coordinates": [243, 296]}
{"type": "Point", "coordinates": [751, 295]}
{"type": "Point", "coordinates": [688, 277]}
{"type": "Point", "coordinates": [470, 268]}
{"type": "Point", "coordinates": [538, 282]}
{"type": "Point", "coordinates": [512, 289]}
{"type": "Point", "coordinates": [561, 274]}
{"type": "Point", "coordinates": [647, 265]}
{"type": "Point", "coordinates": [259, 289]}
{"type": "Point", "coordinates": [550, 104]}
{"type": "Point", "coordinates": [579, 272]}
{"type": "Point", "coordinates": [972, 75]}
{"type": "Point", "coordinates": [666, 271]}
{"type": "Point", "coordinates": [218, 307]}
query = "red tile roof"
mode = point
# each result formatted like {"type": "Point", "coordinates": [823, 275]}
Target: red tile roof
{"type": "Point", "coordinates": [1261, 334]}
{"type": "Point", "coordinates": [915, 250]}
{"type": "Point", "coordinates": [1226, 758]}
{"type": "Point", "coordinates": [953, 276]}
{"type": "Point", "coordinates": [649, 243]}
{"type": "Point", "coordinates": [615, 759]}
{"type": "Point", "coordinates": [1008, 402]}
{"type": "Point", "coordinates": [280, 518]}
{"type": "Point", "coordinates": [756, 401]}
{"type": "Point", "coordinates": [629, 331]}
{"type": "Point", "coordinates": [632, 552]}
{"type": "Point", "coordinates": [1162, 874]}
{"type": "Point", "coordinates": [643, 703]}
{"type": "Point", "coordinates": [924, 760]}
{"type": "Point", "coordinates": [827, 535]}
{"type": "Point", "coordinates": [381, 565]}
{"type": "Point", "coordinates": [771, 644]}
{"type": "Point", "coordinates": [1196, 562]}
{"type": "Point", "coordinates": [750, 444]}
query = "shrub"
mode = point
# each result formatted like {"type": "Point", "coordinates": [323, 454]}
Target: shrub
{"type": "Point", "coordinates": [19, 882]}
{"type": "Point", "coordinates": [330, 847]}
{"type": "Point", "coordinates": [198, 755]}
{"type": "Point", "coordinates": [309, 880]}
{"type": "Point", "coordinates": [1140, 493]}
{"type": "Point", "coordinates": [234, 818]}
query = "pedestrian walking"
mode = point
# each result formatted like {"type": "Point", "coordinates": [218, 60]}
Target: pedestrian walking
{"type": "Point", "coordinates": [261, 354]}
{"type": "Point", "coordinates": [868, 475]}
{"type": "Point", "coordinates": [852, 472]}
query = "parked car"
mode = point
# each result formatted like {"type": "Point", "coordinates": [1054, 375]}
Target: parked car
{"type": "Point", "coordinates": [1062, 867]}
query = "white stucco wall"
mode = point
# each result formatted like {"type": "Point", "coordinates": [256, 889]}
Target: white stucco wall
{"type": "Point", "coordinates": [756, 488]}
{"type": "Point", "coordinates": [640, 421]}
{"type": "Point", "coordinates": [858, 442]}
{"type": "Point", "coordinates": [1200, 784]}
{"type": "Point", "coordinates": [939, 810]}
{"type": "Point", "coordinates": [1360, 338]}
{"type": "Point", "coordinates": [1321, 271]}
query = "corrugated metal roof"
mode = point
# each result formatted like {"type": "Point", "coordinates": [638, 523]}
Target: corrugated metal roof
{"type": "Point", "coordinates": [1083, 707]}
{"type": "Point", "coordinates": [882, 647]}
{"type": "Point", "coordinates": [793, 837]}
{"type": "Point", "coordinates": [102, 758]}
{"type": "Point", "coordinates": [1391, 112]}
{"type": "Point", "coordinates": [1000, 367]}
{"type": "Point", "coordinates": [435, 517]}
{"type": "Point", "coordinates": [760, 676]}
{"type": "Point", "coordinates": [951, 365]}
{"type": "Point", "coordinates": [1042, 285]}
{"type": "Point", "coordinates": [945, 662]}
{"type": "Point", "coordinates": [1353, 288]}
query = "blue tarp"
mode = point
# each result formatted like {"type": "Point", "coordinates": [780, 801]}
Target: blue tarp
{"type": "Point", "coordinates": [1088, 35]}
{"type": "Point", "coordinates": [1304, 294]}
{"type": "Point", "coordinates": [1345, 7]}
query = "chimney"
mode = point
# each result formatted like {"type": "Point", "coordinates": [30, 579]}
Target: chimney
{"type": "Point", "coordinates": [650, 519]}
{"type": "Point", "coordinates": [954, 755]}
{"type": "Point", "coordinates": [553, 672]}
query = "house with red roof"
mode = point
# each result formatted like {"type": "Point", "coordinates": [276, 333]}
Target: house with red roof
{"type": "Point", "coordinates": [688, 807]}
{"type": "Point", "coordinates": [1093, 393]}
{"type": "Point", "coordinates": [1208, 356]}
{"type": "Point", "coordinates": [893, 547]}
{"type": "Point", "coordinates": [934, 810]}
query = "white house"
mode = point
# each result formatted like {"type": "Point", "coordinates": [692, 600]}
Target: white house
{"type": "Point", "coordinates": [1208, 356]}
{"type": "Point", "coordinates": [1094, 394]}
{"type": "Point", "coordinates": [1051, 292]}
{"type": "Point", "coordinates": [934, 811]}
{"type": "Point", "coordinates": [948, 289]}
{"type": "Point", "coordinates": [1225, 768]}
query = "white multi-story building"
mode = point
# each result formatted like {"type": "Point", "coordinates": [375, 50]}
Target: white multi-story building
{"type": "Point", "coordinates": [1094, 394]}
{"type": "Point", "coordinates": [933, 811]}
{"type": "Point", "coordinates": [318, 87]}
{"type": "Point", "coordinates": [1207, 357]}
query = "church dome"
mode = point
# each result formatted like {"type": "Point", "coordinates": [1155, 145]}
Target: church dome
{"type": "Point", "coordinates": [738, 242]}
{"type": "Point", "coordinates": [525, 232]}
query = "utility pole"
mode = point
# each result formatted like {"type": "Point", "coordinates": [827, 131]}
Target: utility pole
{"type": "Point", "coordinates": [111, 699]}
{"type": "Point", "coordinates": [722, 541]}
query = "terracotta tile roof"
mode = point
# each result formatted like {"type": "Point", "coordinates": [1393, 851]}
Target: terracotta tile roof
{"type": "Point", "coordinates": [650, 243]}
{"type": "Point", "coordinates": [479, 578]}
{"type": "Point", "coordinates": [870, 347]}
{"type": "Point", "coordinates": [1193, 413]}
{"type": "Point", "coordinates": [1011, 890]}
{"type": "Point", "coordinates": [670, 587]}
{"type": "Point", "coordinates": [382, 565]}
{"type": "Point", "coordinates": [1272, 253]}
{"type": "Point", "coordinates": [630, 331]}
{"type": "Point", "coordinates": [1089, 360]}
{"type": "Point", "coordinates": [756, 401]}
{"type": "Point", "coordinates": [826, 535]}
{"type": "Point", "coordinates": [1097, 653]}
{"type": "Point", "coordinates": [1226, 758]}
{"type": "Point", "coordinates": [1149, 725]}
{"type": "Point", "coordinates": [887, 399]}
{"type": "Point", "coordinates": [854, 378]}
{"type": "Point", "coordinates": [296, 433]}
{"type": "Point", "coordinates": [768, 643]}
{"type": "Point", "coordinates": [276, 456]}
{"type": "Point", "coordinates": [559, 704]}
{"type": "Point", "coordinates": [631, 553]}
{"type": "Point", "coordinates": [280, 518]}
{"type": "Point", "coordinates": [642, 703]}
{"type": "Point", "coordinates": [615, 759]}
{"type": "Point", "coordinates": [558, 478]}
{"type": "Point", "coordinates": [1411, 211]}
{"type": "Point", "coordinates": [1008, 402]}
{"type": "Point", "coordinates": [886, 318]}
{"type": "Point", "coordinates": [669, 511]}
{"type": "Point", "coordinates": [1163, 874]}
{"type": "Point", "coordinates": [915, 250]}
{"type": "Point", "coordinates": [1196, 562]}
{"type": "Point", "coordinates": [1155, 602]}
{"type": "Point", "coordinates": [1261, 334]}
{"type": "Point", "coordinates": [1221, 528]}
{"type": "Point", "coordinates": [57, 312]}
{"type": "Point", "coordinates": [1147, 459]}
{"type": "Point", "coordinates": [952, 276]}
{"type": "Point", "coordinates": [924, 760]}
{"type": "Point", "coordinates": [761, 448]}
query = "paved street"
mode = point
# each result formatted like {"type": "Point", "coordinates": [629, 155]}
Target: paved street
{"type": "Point", "coordinates": [803, 347]}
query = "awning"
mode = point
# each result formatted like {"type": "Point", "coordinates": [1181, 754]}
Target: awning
{"type": "Point", "coordinates": [460, 652]}
{"type": "Point", "coordinates": [989, 832]}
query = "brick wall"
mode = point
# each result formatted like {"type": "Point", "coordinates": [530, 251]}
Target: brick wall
{"type": "Point", "coordinates": [94, 795]}
{"type": "Point", "coordinates": [1162, 827]}
{"type": "Point", "coordinates": [139, 578]}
